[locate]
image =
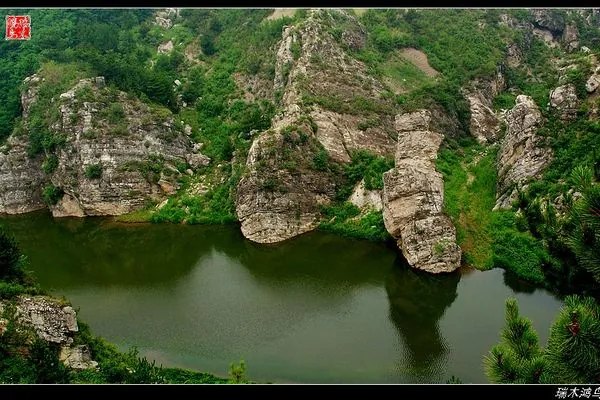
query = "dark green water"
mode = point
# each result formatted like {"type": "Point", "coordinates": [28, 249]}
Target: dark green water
{"type": "Point", "coordinates": [315, 309]}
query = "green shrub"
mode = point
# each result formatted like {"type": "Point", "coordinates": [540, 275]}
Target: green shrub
{"type": "Point", "coordinates": [321, 160]}
{"type": "Point", "coordinates": [237, 372]}
{"type": "Point", "coordinates": [345, 219]}
{"type": "Point", "coordinates": [10, 256]}
{"type": "Point", "coordinates": [115, 113]}
{"type": "Point", "coordinates": [504, 101]}
{"type": "Point", "coordinates": [367, 166]}
{"type": "Point", "coordinates": [47, 366]}
{"type": "Point", "coordinates": [93, 171]}
{"type": "Point", "coordinates": [50, 163]}
{"type": "Point", "coordinates": [52, 194]}
{"type": "Point", "coordinates": [518, 252]}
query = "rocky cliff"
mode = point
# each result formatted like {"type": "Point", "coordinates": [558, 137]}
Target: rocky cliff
{"type": "Point", "coordinates": [328, 102]}
{"type": "Point", "coordinates": [484, 125]}
{"type": "Point", "coordinates": [413, 198]}
{"type": "Point", "coordinates": [114, 155]}
{"type": "Point", "coordinates": [522, 154]}
{"type": "Point", "coordinates": [50, 320]}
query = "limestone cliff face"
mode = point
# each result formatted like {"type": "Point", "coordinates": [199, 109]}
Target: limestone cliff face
{"type": "Point", "coordinates": [116, 155]}
{"type": "Point", "coordinates": [484, 124]}
{"type": "Point", "coordinates": [275, 202]}
{"type": "Point", "coordinates": [21, 176]}
{"type": "Point", "coordinates": [49, 320]}
{"type": "Point", "coordinates": [522, 154]}
{"type": "Point", "coordinates": [322, 73]}
{"type": "Point", "coordinates": [564, 100]}
{"type": "Point", "coordinates": [329, 104]}
{"type": "Point", "coordinates": [413, 198]}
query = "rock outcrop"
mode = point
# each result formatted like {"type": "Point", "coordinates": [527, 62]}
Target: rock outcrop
{"type": "Point", "coordinates": [164, 18]}
{"type": "Point", "coordinates": [593, 81]}
{"type": "Point", "coordinates": [165, 48]}
{"type": "Point", "coordinates": [484, 124]}
{"type": "Point", "coordinates": [522, 154]}
{"type": "Point", "coordinates": [331, 107]}
{"type": "Point", "coordinates": [413, 198]}
{"type": "Point", "coordinates": [564, 100]}
{"type": "Point", "coordinates": [77, 357]}
{"type": "Point", "coordinates": [115, 155]}
{"type": "Point", "coordinates": [20, 175]}
{"type": "Point", "coordinates": [339, 92]}
{"type": "Point", "coordinates": [363, 198]}
{"type": "Point", "coordinates": [570, 37]}
{"type": "Point", "coordinates": [276, 201]}
{"type": "Point", "coordinates": [50, 320]}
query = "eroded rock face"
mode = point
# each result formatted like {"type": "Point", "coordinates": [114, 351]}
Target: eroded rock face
{"type": "Point", "coordinates": [78, 357]}
{"type": "Point", "coordinates": [21, 177]}
{"type": "Point", "coordinates": [165, 48]}
{"type": "Point", "coordinates": [564, 100]}
{"type": "Point", "coordinates": [593, 81]}
{"type": "Point", "coordinates": [323, 70]}
{"type": "Point", "coordinates": [275, 203]}
{"type": "Point", "coordinates": [50, 320]}
{"type": "Point", "coordinates": [514, 55]}
{"type": "Point", "coordinates": [362, 198]}
{"type": "Point", "coordinates": [413, 198]}
{"type": "Point", "coordinates": [549, 20]}
{"type": "Point", "coordinates": [117, 155]}
{"type": "Point", "coordinates": [570, 37]}
{"type": "Point", "coordinates": [484, 123]}
{"type": "Point", "coordinates": [522, 155]}
{"type": "Point", "coordinates": [278, 199]}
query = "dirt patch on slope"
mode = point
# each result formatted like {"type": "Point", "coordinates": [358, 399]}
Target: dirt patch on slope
{"type": "Point", "coordinates": [282, 12]}
{"type": "Point", "coordinates": [419, 59]}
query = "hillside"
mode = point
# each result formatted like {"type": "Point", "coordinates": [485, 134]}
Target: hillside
{"type": "Point", "coordinates": [467, 138]}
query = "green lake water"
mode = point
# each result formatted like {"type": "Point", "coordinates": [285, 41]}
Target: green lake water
{"type": "Point", "coordinates": [318, 308]}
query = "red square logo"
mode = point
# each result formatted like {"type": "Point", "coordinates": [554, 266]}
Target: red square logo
{"type": "Point", "coordinates": [18, 27]}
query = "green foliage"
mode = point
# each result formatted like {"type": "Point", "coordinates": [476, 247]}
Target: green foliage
{"type": "Point", "coordinates": [584, 239]}
{"type": "Point", "coordinates": [50, 164]}
{"type": "Point", "coordinates": [345, 219]}
{"type": "Point", "coordinates": [469, 196]}
{"type": "Point", "coordinates": [181, 376]}
{"type": "Point", "coordinates": [573, 350]}
{"type": "Point", "coordinates": [215, 207]}
{"type": "Point", "coordinates": [93, 171]}
{"type": "Point", "coordinates": [321, 160]}
{"type": "Point", "coordinates": [365, 166]}
{"type": "Point", "coordinates": [504, 101]}
{"type": "Point", "coordinates": [518, 252]}
{"type": "Point", "coordinates": [518, 356]}
{"type": "Point", "coordinates": [237, 373]}
{"type": "Point", "coordinates": [115, 113]}
{"type": "Point", "coordinates": [10, 258]}
{"type": "Point", "coordinates": [47, 368]}
{"type": "Point", "coordinates": [572, 354]}
{"type": "Point", "coordinates": [52, 194]}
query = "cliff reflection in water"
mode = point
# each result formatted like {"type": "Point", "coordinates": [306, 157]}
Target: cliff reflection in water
{"type": "Point", "coordinates": [99, 252]}
{"type": "Point", "coordinates": [417, 302]}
